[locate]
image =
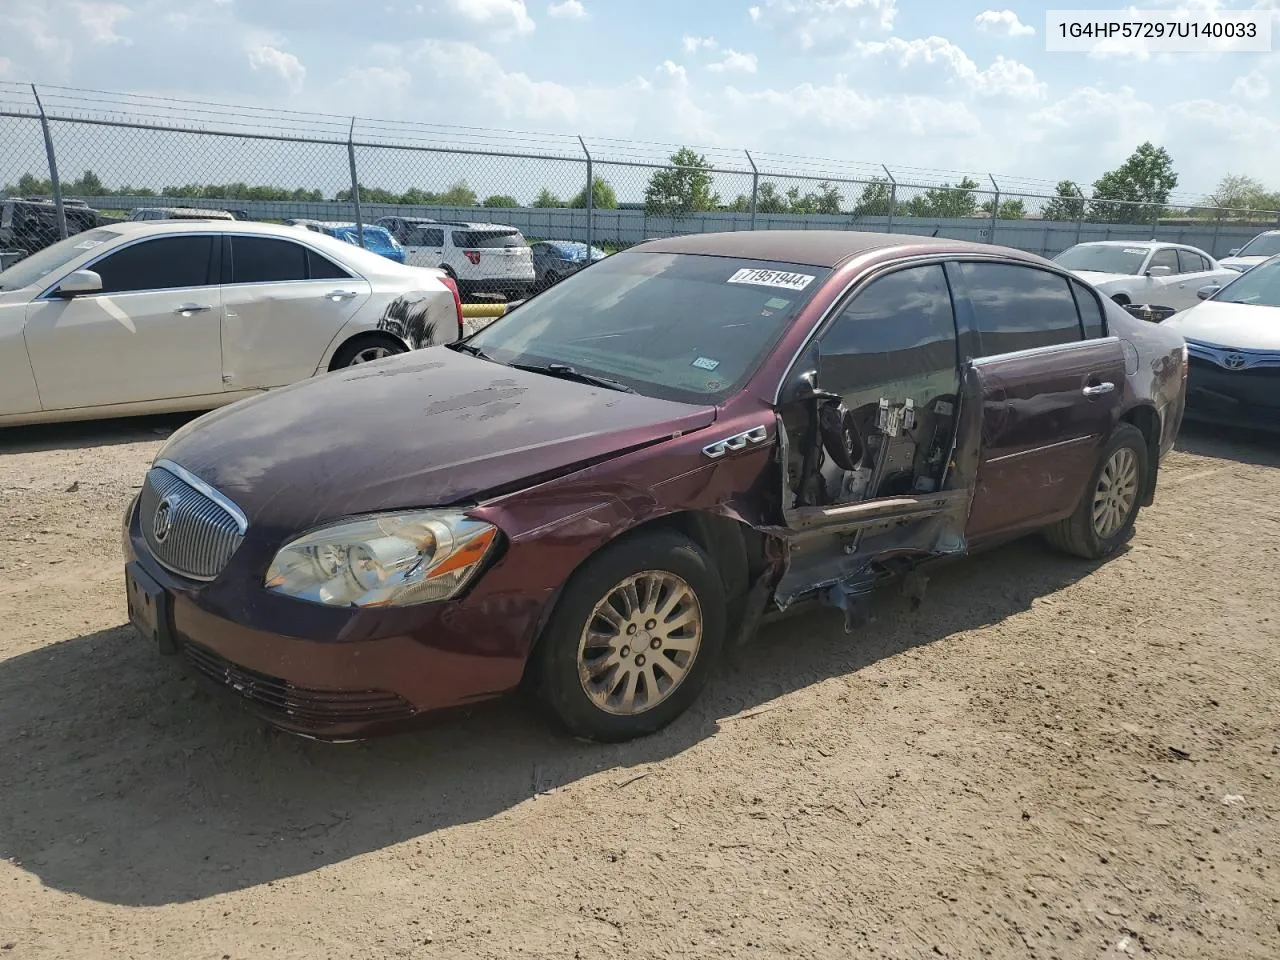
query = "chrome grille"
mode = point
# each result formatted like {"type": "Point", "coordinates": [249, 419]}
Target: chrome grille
{"type": "Point", "coordinates": [191, 529]}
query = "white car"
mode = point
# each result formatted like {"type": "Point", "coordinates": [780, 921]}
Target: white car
{"type": "Point", "coordinates": [1144, 272]}
{"type": "Point", "coordinates": [1233, 347]}
{"type": "Point", "coordinates": [1264, 245]}
{"type": "Point", "coordinates": [481, 257]}
{"type": "Point", "coordinates": [137, 318]}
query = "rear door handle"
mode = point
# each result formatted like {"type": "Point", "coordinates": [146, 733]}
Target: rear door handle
{"type": "Point", "coordinates": [1098, 389]}
{"type": "Point", "coordinates": [336, 295]}
{"type": "Point", "coordinates": [189, 308]}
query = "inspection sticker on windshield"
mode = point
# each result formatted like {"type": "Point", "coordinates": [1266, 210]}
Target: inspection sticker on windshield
{"type": "Point", "coordinates": [705, 363]}
{"type": "Point", "coordinates": [772, 278]}
{"type": "Point", "coordinates": [1138, 250]}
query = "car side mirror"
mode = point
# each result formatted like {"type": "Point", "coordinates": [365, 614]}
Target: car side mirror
{"type": "Point", "coordinates": [804, 386]}
{"type": "Point", "coordinates": [1158, 271]}
{"type": "Point", "coordinates": [1204, 293]}
{"type": "Point", "coordinates": [1233, 252]}
{"type": "Point", "coordinates": [79, 282]}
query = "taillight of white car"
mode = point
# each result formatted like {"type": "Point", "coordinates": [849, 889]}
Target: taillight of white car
{"type": "Point", "coordinates": [448, 281]}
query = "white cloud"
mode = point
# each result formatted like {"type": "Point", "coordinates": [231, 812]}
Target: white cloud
{"type": "Point", "coordinates": [674, 70]}
{"type": "Point", "coordinates": [567, 10]}
{"type": "Point", "coordinates": [1004, 22]}
{"type": "Point", "coordinates": [694, 44]}
{"type": "Point", "coordinates": [502, 16]}
{"type": "Point", "coordinates": [1004, 78]}
{"type": "Point", "coordinates": [734, 62]}
{"type": "Point", "coordinates": [285, 65]}
{"type": "Point", "coordinates": [1252, 86]}
{"type": "Point", "coordinates": [824, 26]}
{"type": "Point", "coordinates": [99, 21]}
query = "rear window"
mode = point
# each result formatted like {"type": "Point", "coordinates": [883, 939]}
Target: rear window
{"type": "Point", "coordinates": [487, 239]}
{"type": "Point", "coordinates": [676, 326]}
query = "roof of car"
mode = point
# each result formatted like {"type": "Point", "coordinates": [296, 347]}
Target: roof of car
{"type": "Point", "coordinates": [198, 226]}
{"type": "Point", "coordinates": [191, 212]}
{"type": "Point", "coordinates": [1145, 244]}
{"type": "Point", "coordinates": [819, 248]}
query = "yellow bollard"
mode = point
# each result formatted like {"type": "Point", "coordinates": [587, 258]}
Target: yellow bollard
{"type": "Point", "coordinates": [484, 310]}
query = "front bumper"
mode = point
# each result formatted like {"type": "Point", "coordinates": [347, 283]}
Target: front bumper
{"type": "Point", "coordinates": [1245, 398]}
{"type": "Point", "coordinates": [337, 674]}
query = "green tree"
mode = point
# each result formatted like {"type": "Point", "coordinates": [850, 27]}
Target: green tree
{"type": "Point", "coordinates": [741, 204]}
{"type": "Point", "coordinates": [826, 200]}
{"type": "Point", "coordinates": [501, 200]}
{"type": "Point", "coordinates": [683, 188]}
{"type": "Point", "coordinates": [1238, 192]}
{"type": "Point", "coordinates": [1137, 189]}
{"type": "Point", "coordinates": [459, 195]}
{"type": "Point", "coordinates": [547, 199]}
{"type": "Point", "coordinates": [769, 199]}
{"type": "Point", "coordinates": [1009, 209]}
{"type": "Point", "coordinates": [602, 196]}
{"type": "Point", "coordinates": [1068, 203]}
{"type": "Point", "coordinates": [876, 199]}
{"type": "Point", "coordinates": [946, 201]}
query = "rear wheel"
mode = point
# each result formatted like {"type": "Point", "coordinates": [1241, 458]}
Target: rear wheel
{"type": "Point", "coordinates": [366, 350]}
{"type": "Point", "coordinates": [1105, 516]}
{"type": "Point", "coordinates": [633, 638]}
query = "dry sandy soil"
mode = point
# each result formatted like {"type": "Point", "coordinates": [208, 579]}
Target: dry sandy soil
{"type": "Point", "coordinates": [1047, 759]}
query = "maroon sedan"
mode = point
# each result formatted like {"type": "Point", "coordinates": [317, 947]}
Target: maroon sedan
{"type": "Point", "coordinates": [604, 488]}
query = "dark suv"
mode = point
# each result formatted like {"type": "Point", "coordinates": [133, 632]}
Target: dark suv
{"type": "Point", "coordinates": [31, 224]}
{"type": "Point", "coordinates": [621, 476]}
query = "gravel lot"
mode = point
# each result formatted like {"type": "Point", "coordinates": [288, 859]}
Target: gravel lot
{"type": "Point", "coordinates": [1047, 759]}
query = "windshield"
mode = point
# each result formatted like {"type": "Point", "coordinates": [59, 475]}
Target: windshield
{"type": "Point", "coordinates": [675, 326]}
{"type": "Point", "coordinates": [487, 239]}
{"type": "Point", "coordinates": [40, 264]}
{"type": "Point", "coordinates": [1263, 245]}
{"type": "Point", "coordinates": [1259, 287]}
{"type": "Point", "coordinates": [1097, 258]}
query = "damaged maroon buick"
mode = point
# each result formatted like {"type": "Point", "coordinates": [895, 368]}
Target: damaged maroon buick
{"type": "Point", "coordinates": [625, 474]}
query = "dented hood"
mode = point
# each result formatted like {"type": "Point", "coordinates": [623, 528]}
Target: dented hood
{"type": "Point", "coordinates": [428, 428]}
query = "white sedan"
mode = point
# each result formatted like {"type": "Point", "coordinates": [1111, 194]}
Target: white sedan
{"type": "Point", "coordinates": [1144, 272]}
{"type": "Point", "coordinates": [1233, 342]}
{"type": "Point", "coordinates": [138, 318]}
{"type": "Point", "coordinates": [1260, 248]}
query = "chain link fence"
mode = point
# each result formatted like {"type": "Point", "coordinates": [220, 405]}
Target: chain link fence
{"type": "Point", "coordinates": [72, 159]}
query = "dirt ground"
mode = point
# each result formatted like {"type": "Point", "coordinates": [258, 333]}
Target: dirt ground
{"type": "Point", "coordinates": [1047, 759]}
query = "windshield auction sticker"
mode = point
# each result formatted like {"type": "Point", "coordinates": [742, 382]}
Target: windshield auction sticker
{"type": "Point", "coordinates": [772, 278]}
{"type": "Point", "coordinates": [1140, 32]}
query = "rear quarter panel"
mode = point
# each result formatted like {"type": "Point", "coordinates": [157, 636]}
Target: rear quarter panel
{"type": "Point", "coordinates": [1155, 371]}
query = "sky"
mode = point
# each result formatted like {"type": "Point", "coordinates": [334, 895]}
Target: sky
{"type": "Point", "coordinates": [914, 84]}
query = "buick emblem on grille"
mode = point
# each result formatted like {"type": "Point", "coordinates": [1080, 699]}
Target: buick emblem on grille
{"type": "Point", "coordinates": [1234, 361]}
{"type": "Point", "coordinates": [163, 521]}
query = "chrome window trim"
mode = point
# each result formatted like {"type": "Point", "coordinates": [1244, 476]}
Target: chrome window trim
{"type": "Point", "coordinates": [1041, 351]}
{"type": "Point", "coordinates": [242, 522]}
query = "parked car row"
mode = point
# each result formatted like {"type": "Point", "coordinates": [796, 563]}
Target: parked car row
{"type": "Point", "coordinates": [626, 473]}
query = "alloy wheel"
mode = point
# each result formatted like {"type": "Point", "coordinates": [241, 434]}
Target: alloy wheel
{"type": "Point", "coordinates": [1116, 493]}
{"type": "Point", "coordinates": [371, 353]}
{"type": "Point", "coordinates": [639, 642]}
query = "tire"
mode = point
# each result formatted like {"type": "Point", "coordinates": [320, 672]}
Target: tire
{"type": "Point", "coordinates": [365, 350]}
{"type": "Point", "coordinates": [563, 669]}
{"type": "Point", "coordinates": [1079, 534]}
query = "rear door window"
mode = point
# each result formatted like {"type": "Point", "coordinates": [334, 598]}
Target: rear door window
{"type": "Point", "coordinates": [1091, 317]}
{"type": "Point", "coordinates": [1191, 262]}
{"type": "Point", "coordinates": [267, 260]}
{"type": "Point", "coordinates": [165, 263]}
{"type": "Point", "coordinates": [1019, 308]}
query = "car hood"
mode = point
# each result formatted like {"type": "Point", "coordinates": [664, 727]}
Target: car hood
{"type": "Point", "coordinates": [1238, 325]}
{"type": "Point", "coordinates": [428, 428]}
{"type": "Point", "coordinates": [1241, 261]}
{"type": "Point", "coordinates": [1100, 279]}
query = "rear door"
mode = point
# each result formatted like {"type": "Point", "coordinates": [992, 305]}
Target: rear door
{"type": "Point", "coordinates": [1195, 272]}
{"type": "Point", "coordinates": [1050, 388]}
{"type": "Point", "coordinates": [283, 303]}
{"type": "Point", "coordinates": [424, 246]}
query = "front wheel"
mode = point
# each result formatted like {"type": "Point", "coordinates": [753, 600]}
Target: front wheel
{"type": "Point", "coordinates": [1105, 516]}
{"type": "Point", "coordinates": [633, 638]}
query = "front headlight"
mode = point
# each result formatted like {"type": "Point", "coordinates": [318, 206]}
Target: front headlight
{"type": "Point", "coordinates": [386, 560]}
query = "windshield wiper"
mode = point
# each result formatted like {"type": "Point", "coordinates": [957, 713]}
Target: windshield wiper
{"type": "Point", "coordinates": [566, 372]}
{"type": "Point", "coordinates": [471, 351]}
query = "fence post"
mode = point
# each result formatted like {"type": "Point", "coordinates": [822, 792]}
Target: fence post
{"type": "Point", "coordinates": [995, 209]}
{"type": "Point", "coordinates": [1217, 231]}
{"type": "Point", "coordinates": [355, 183]}
{"type": "Point", "coordinates": [1080, 215]}
{"type": "Point", "coordinates": [590, 197]}
{"type": "Point", "coordinates": [755, 186]}
{"type": "Point", "coordinates": [53, 166]}
{"type": "Point", "coordinates": [893, 197]}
